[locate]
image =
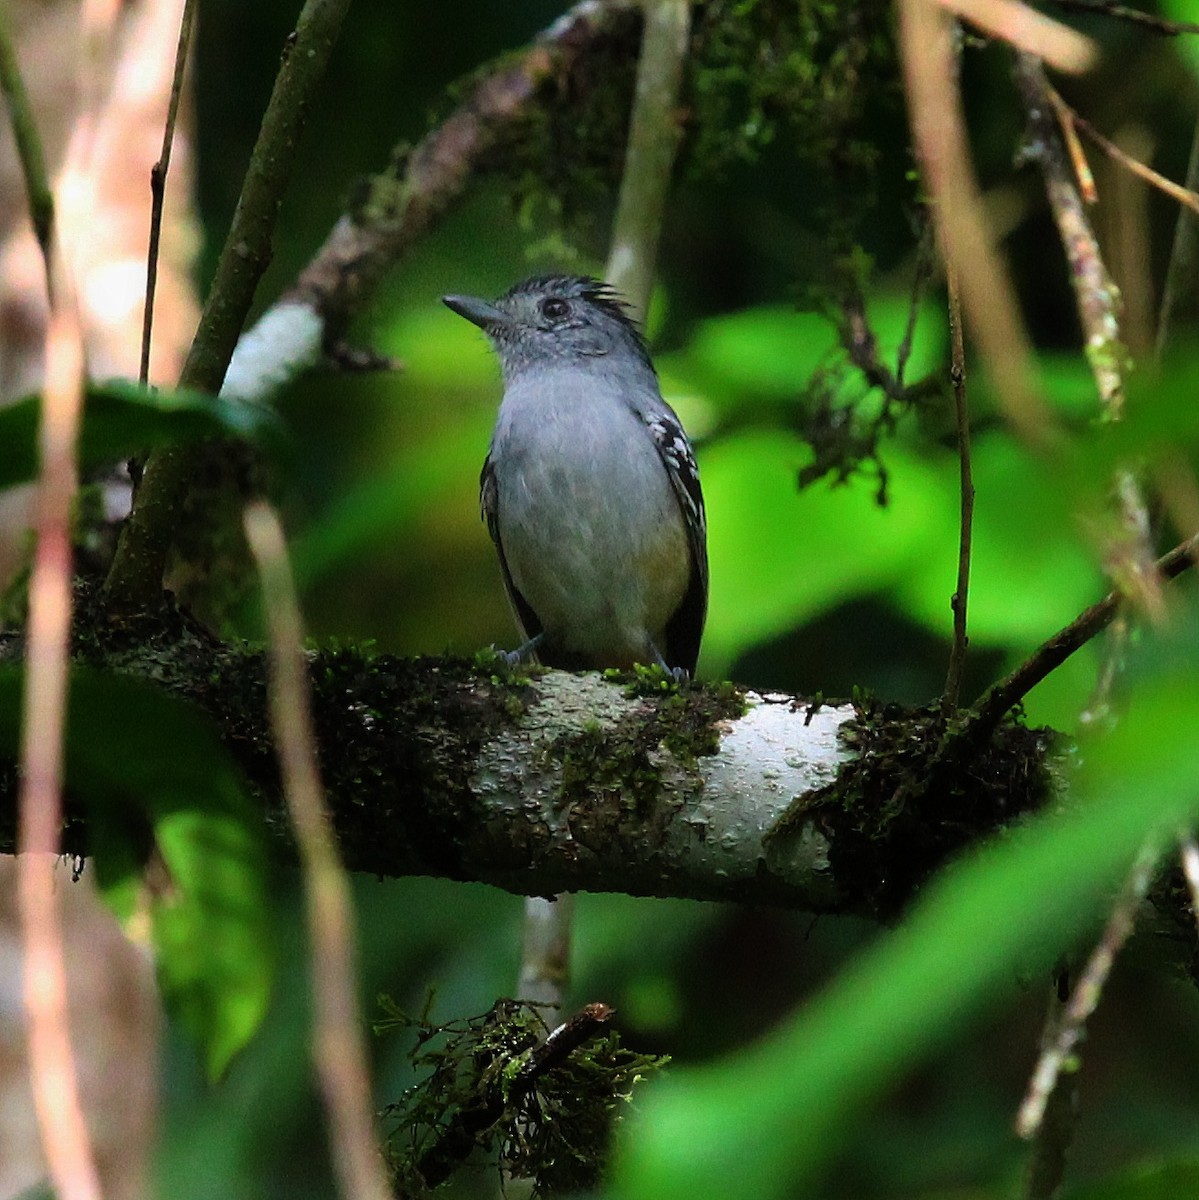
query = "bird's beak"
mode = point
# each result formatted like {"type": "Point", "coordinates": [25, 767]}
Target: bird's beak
{"type": "Point", "coordinates": [486, 316]}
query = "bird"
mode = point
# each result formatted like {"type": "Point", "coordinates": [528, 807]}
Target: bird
{"type": "Point", "coordinates": [590, 489]}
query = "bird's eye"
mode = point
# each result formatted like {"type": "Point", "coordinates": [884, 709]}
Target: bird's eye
{"type": "Point", "coordinates": [554, 309]}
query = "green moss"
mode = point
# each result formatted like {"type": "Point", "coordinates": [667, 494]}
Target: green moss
{"type": "Point", "coordinates": [914, 795]}
{"type": "Point", "coordinates": [487, 1082]}
{"type": "Point", "coordinates": [622, 765]}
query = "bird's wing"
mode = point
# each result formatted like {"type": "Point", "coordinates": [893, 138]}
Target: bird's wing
{"type": "Point", "coordinates": [526, 619]}
{"type": "Point", "coordinates": [686, 626]}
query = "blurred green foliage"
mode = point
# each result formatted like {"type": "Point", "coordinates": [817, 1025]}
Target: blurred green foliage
{"type": "Point", "coordinates": [899, 1075]}
{"type": "Point", "coordinates": [178, 849]}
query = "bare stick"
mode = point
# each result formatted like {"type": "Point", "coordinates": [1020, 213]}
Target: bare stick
{"type": "Point", "coordinates": [939, 133]}
{"type": "Point", "coordinates": [29, 148]}
{"type": "Point", "coordinates": [957, 654]}
{"type": "Point", "coordinates": [337, 1029]}
{"type": "Point", "coordinates": [1086, 993]}
{"type": "Point", "coordinates": [1050, 655]}
{"type": "Point", "coordinates": [650, 151]}
{"type": "Point", "coordinates": [158, 183]}
{"type": "Point", "coordinates": [135, 578]}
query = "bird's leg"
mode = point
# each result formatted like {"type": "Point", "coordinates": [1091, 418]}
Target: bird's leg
{"type": "Point", "coordinates": [679, 674]}
{"type": "Point", "coordinates": [523, 653]}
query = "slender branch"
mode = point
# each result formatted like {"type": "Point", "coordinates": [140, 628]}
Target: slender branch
{"type": "Point", "coordinates": [926, 39]}
{"type": "Point", "coordinates": [401, 204]}
{"type": "Point", "coordinates": [29, 148]}
{"type": "Point", "coordinates": [1050, 655]}
{"type": "Point", "coordinates": [1085, 996]}
{"type": "Point", "coordinates": [338, 1052]}
{"type": "Point", "coordinates": [1096, 295]}
{"type": "Point", "coordinates": [1181, 273]}
{"type": "Point", "coordinates": [925, 256]}
{"type": "Point", "coordinates": [135, 578]}
{"type": "Point", "coordinates": [1054, 1134]}
{"type": "Point", "coordinates": [158, 183]}
{"type": "Point", "coordinates": [1023, 28]}
{"type": "Point", "coordinates": [649, 155]}
{"type": "Point", "coordinates": [1122, 12]}
{"type": "Point", "coordinates": [1070, 120]}
{"type": "Point", "coordinates": [52, 1064]}
{"type": "Point", "coordinates": [957, 655]}
{"type": "Point", "coordinates": [65, 1137]}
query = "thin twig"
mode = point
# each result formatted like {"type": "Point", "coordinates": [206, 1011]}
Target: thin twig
{"type": "Point", "coordinates": [1084, 998]}
{"type": "Point", "coordinates": [1073, 120]}
{"type": "Point", "coordinates": [1096, 295]}
{"type": "Point", "coordinates": [135, 579]}
{"type": "Point", "coordinates": [65, 1137]}
{"type": "Point", "coordinates": [1047, 1162]}
{"type": "Point", "coordinates": [926, 36]}
{"type": "Point", "coordinates": [1181, 273]}
{"type": "Point", "coordinates": [338, 1052]}
{"type": "Point", "coordinates": [29, 148]}
{"type": "Point", "coordinates": [158, 183]}
{"type": "Point", "coordinates": [52, 1064]}
{"type": "Point", "coordinates": [650, 151]}
{"type": "Point", "coordinates": [1134, 16]}
{"type": "Point", "coordinates": [1050, 655]}
{"type": "Point", "coordinates": [1023, 28]}
{"type": "Point", "coordinates": [957, 654]}
{"type": "Point", "coordinates": [920, 277]}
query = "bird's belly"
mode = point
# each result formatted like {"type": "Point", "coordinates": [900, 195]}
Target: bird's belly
{"type": "Point", "coordinates": [603, 570]}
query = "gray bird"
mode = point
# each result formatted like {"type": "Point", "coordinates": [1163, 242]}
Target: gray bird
{"type": "Point", "coordinates": [590, 490]}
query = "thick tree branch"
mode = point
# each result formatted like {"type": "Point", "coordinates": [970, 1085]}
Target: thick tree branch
{"type": "Point", "coordinates": [564, 783]}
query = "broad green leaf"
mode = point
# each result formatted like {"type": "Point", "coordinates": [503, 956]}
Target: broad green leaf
{"type": "Point", "coordinates": [121, 419]}
{"type": "Point", "coordinates": [763, 1123]}
{"type": "Point", "coordinates": [154, 775]}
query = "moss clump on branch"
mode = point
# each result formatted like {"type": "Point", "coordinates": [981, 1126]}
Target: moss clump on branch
{"type": "Point", "coordinates": [619, 771]}
{"type": "Point", "coordinates": [913, 796]}
{"type": "Point", "coordinates": [541, 1106]}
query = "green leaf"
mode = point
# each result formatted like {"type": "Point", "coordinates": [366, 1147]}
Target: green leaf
{"type": "Point", "coordinates": [158, 782]}
{"type": "Point", "coordinates": [121, 419]}
{"type": "Point", "coordinates": [762, 1123]}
